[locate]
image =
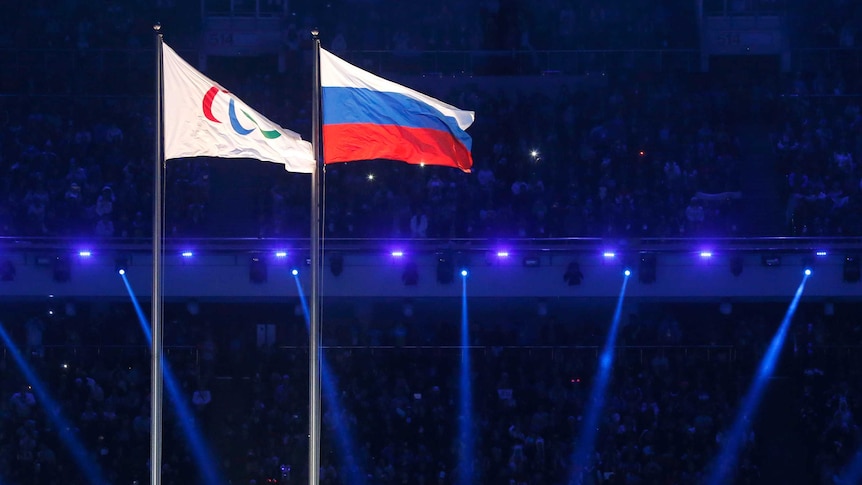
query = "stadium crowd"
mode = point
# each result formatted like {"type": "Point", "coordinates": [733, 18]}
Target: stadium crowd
{"type": "Point", "coordinates": [390, 407]}
{"type": "Point", "coordinates": [640, 153]}
{"type": "Point", "coordinates": [642, 159]}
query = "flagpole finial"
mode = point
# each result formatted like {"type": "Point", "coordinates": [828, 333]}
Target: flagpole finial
{"type": "Point", "coordinates": [157, 27]}
{"type": "Point", "coordinates": [314, 33]}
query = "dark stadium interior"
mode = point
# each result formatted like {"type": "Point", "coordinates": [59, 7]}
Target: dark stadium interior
{"type": "Point", "coordinates": [712, 147]}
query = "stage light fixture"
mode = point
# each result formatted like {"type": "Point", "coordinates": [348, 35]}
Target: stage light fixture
{"type": "Point", "coordinates": [336, 264]}
{"type": "Point", "coordinates": [121, 265]}
{"type": "Point", "coordinates": [647, 268]}
{"type": "Point", "coordinates": [257, 270]}
{"type": "Point", "coordinates": [851, 269]}
{"type": "Point", "coordinates": [410, 276]}
{"type": "Point", "coordinates": [573, 275]}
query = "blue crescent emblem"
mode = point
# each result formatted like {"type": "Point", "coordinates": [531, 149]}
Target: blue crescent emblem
{"type": "Point", "coordinates": [234, 122]}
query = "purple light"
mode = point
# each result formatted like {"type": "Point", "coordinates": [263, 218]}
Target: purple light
{"type": "Point", "coordinates": [706, 254]}
{"type": "Point", "coordinates": [85, 254]}
{"type": "Point", "coordinates": [281, 254]}
{"type": "Point", "coordinates": [187, 254]}
{"type": "Point", "coordinates": [397, 254]}
{"type": "Point", "coordinates": [609, 254]}
{"type": "Point", "coordinates": [821, 253]}
{"type": "Point", "coordinates": [502, 254]}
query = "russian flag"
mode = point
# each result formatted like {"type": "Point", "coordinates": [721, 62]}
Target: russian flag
{"type": "Point", "coordinates": [366, 117]}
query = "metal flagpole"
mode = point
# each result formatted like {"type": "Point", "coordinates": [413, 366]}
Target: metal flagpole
{"type": "Point", "coordinates": [156, 317]}
{"type": "Point", "coordinates": [314, 324]}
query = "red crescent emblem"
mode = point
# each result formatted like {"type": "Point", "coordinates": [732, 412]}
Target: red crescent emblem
{"type": "Point", "coordinates": [208, 104]}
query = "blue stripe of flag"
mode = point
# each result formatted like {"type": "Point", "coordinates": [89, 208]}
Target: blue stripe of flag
{"type": "Point", "coordinates": [359, 105]}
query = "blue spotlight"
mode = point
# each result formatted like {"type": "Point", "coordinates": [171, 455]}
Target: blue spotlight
{"type": "Point", "coordinates": [45, 401]}
{"type": "Point", "coordinates": [724, 464]}
{"type": "Point", "coordinates": [344, 440]}
{"type": "Point", "coordinates": [807, 272]}
{"type": "Point", "coordinates": [586, 443]}
{"type": "Point", "coordinates": [122, 271]}
{"type": "Point", "coordinates": [294, 271]}
{"type": "Point", "coordinates": [186, 419]}
{"type": "Point", "coordinates": [853, 472]}
{"type": "Point", "coordinates": [627, 272]}
{"type": "Point", "coordinates": [466, 443]}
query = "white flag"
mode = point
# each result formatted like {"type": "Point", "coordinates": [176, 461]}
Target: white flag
{"type": "Point", "coordinates": [203, 119]}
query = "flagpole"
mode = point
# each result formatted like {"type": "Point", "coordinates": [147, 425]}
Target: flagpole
{"type": "Point", "coordinates": [156, 317]}
{"type": "Point", "coordinates": [314, 324]}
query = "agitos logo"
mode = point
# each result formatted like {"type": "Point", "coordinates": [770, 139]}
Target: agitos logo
{"type": "Point", "coordinates": [210, 96]}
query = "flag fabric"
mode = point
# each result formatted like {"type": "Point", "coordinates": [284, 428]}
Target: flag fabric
{"type": "Point", "coordinates": [367, 117]}
{"type": "Point", "coordinates": [203, 119]}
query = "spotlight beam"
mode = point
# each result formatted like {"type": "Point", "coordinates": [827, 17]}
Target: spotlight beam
{"type": "Point", "coordinates": [725, 462]}
{"type": "Point", "coordinates": [142, 318]}
{"type": "Point", "coordinates": [83, 458]}
{"type": "Point", "coordinates": [203, 456]}
{"type": "Point", "coordinates": [853, 473]}
{"type": "Point", "coordinates": [589, 429]}
{"type": "Point", "coordinates": [466, 437]}
{"type": "Point", "coordinates": [329, 383]}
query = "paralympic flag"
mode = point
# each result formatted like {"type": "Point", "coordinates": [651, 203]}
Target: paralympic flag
{"type": "Point", "coordinates": [203, 119]}
{"type": "Point", "coordinates": [366, 117]}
